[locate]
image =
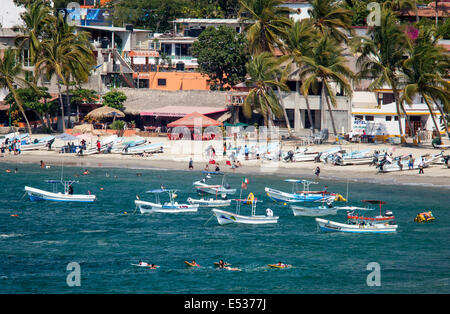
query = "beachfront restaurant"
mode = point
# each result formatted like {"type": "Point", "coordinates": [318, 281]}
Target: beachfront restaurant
{"type": "Point", "coordinates": [158, 119]}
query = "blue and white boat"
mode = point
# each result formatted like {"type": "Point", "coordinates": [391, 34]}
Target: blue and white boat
{"type": "Point", "coordinates": [55, 196]}
{"type": "Point", "coordinates": [304, 195]}
{"type": "Point", "coordinates": [140, 149]}
{"type": "Point", "coordinates": [167, 207]}
{"type": "Point", "coordinates": [37, 144]}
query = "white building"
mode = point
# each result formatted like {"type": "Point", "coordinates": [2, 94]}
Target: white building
{"type": "Point", "coordinates": [376, 113]}
{"type": "Point", "coordinates": [10, 14]}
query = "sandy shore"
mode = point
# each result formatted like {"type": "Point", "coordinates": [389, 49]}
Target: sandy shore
{"type": "Point", "coordinates": [178, 153]}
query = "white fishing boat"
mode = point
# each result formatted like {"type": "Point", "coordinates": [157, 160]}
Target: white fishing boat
{"type": "Point", "coordinates": [37, 144]}
{"type": "Point", "coordinates": [360, 227]}
{"type": "Point", "coordinates": [226, 217]}
{"type": "Point", "coordinates": [304, 195]}
{"type": "Point", "coordinates": [209, 202]}
{"type": "Point", "coordinates": [167, 207]}
{"type": "Point", "coordinates": [389, 165]}
{"type": "Point", "coordinates": [121, 143]}
{"type": "Point", "coordinates": [140, 149]}
{"type": "Point", "coordinates": [67, 196]}
{"type": "Point", "coordinates": [222, 189]}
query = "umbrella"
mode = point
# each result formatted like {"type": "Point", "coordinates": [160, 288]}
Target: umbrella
{"type": "Point", "coordinates": [105, 112]}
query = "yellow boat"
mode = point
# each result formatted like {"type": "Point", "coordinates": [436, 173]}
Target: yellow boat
{"type": "Point", "coordinates": [424, 217]}
{"type": "Point", "coordinates": [279, 266]}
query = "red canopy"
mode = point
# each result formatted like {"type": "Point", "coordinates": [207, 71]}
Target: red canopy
{"type": "Point", "coordinates": [194, 119]}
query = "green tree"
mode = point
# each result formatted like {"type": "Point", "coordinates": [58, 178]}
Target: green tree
{"type": "Point", "coordinates": [114, 99]}
{"type": "Point", "coordinates": [35, 101]}
{"type": "Point", "coordinates": [330, 17]}
{"type": "Point", "coordinates": [10, 70]}
{"type": "Point", "coordinates": [262, 71]}
{"type": "Point", "coordinates": [65, 54]}
{"type": "Point", "coordinates": [327, 65]}
{"type": "Point", "coordinates": [36, 20]}
{"type": "Point", "coordinates": [298, 43]}
{"type": "Point", "coordinates": [267, 20]}
{"type": "Point", "coordinates": [425, 71]}
{"type": "Point", "coordinates": [381, 56]}
{"type": "Point", "coordinates": [221, 54]}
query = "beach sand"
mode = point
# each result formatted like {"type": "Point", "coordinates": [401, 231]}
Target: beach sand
{"type": "Point", "coordinates": [177, 154]}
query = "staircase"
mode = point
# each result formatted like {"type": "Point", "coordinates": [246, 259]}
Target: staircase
{"type": "Point", "coordinates": [125, 67]}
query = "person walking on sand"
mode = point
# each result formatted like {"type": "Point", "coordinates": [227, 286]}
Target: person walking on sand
{"type": "Point", "coordinates": [317, 172]}
{"type": "Point", "coordinates": [191, 164]}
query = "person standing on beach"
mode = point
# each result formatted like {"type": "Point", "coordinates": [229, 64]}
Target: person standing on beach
{"type": "Point", "coordinates": [421, 166]}
{"type": "Point", "coordinates": [99, 145]}
{"type": "Point", "coordinates": [246, 152]}
{"type": "Point", "coordinates": [191, 164]}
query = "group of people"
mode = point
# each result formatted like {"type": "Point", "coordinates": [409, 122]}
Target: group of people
{"type": "Point", "coordinates": [13, 146]}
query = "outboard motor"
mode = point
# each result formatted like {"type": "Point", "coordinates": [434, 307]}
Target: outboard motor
{"type": "Point", "coordinates": [317, 158]}
{"type": "Point", "coordinates": [290, 156]}
{"type": "Point", "coordinates": [446, 160]}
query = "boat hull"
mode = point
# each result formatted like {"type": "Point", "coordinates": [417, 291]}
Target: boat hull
{"type": "Point", "coordinates": [226, 218]}
{"type": "Point", "coordinates": [313, 211]}
{"type": "Point", "coordinates": [149, 207]}
{"type": "Point", "coordinates": [280, 196]}
{"type": "Point", "coordinates": [209, 203]}
{"type": "Point", "coordinates": [42, 195]}
{"type": "Point", "coordinates": [213, 190]}
{"type": "Point", "coordinates": [332, 226]}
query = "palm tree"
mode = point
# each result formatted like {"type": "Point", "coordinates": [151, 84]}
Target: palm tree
{"type": "Point", "coordinates": [10, 69]}
{"type": "Point", "coordinates": [381, 55]}
{"type": "Point", "coordinates": [267, 22]}
{"type": "Point", "coordinates": [425, 70]}
{"type": "Point", "coordinates": [326, 65]}
{"type": "Point", "coordinates": [262, 70]}
{"type": "Point", "coordinates": [36, 20]}
{"type": "Point", "coordinates": [65, 54]}
{"type": "Point", "coordinates": [331, 18]}
{"type": "Point", "coordinates": [299, 41]}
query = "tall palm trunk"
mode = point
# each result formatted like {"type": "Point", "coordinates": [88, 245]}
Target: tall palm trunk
{"type": "Point", "coordinates": [442, 116]}
{"type": "Point", "coordinates": [324, 95]}
{"type": "Point", "coordinates": [68, 103]}
{"type": "Point", "coordinates": [19, 104]}
{"type": "Point", "coordinates": [432, 115]}
{"type": "Point", "coordinates": [280, 99]}
{"type": "Point", "coordinates": [62, 108]}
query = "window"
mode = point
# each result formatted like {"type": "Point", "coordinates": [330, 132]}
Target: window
{"type": "Point", "coordinates": [359, 118]}
{"type": "Point", "coordinates": [388, 118]}
{"type": "Point", "coordinates": [369, 118]}
{"type": "Point", "coordinates": [166, 49]}
{"type": "Point", "coordinates": [162, 82]}
{"type": "Point", "coordinates": [396, 118]}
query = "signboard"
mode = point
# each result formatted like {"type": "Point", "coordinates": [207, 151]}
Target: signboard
{"type": "Point", "coordinates": [359, 126]}
{"type": "Point", "coordinates": [75, 15]}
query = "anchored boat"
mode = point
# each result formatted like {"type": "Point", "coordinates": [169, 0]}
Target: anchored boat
{"type": "Point", "coordinates": [67, 196]}
{"type": "Point", "coordinates": [301, 196]}
{"type": "Point", "coordinates": [362, 227]}
{"type": "Point", "coordinates": [222, 189]}
{"type": "Point", "coordinates": [226, 217]}
{"type": "Point", "coordinates": [168, 207]}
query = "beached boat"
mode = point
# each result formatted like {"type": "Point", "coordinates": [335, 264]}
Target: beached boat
{"type": "Point", "coordinates": [218, 189]}
{"type": "Point", "coordinates": [146, 148]}
{"type": "Point", "coordinates": [209, 202]}
{"type": "Point", "coordinates": [121, 143]}
{"type": "Point", "coordinates": [301, 196]}
{"type": "Point", "coordinates": [401, 164]}
{"type": "Point", "coordinates": [363, 157]}
{"type": "Point", "coordinates": [168, 207]}
{"type": "Point", "coordinates": [37, 144]}
{"type": "Point", "coordinates": [68, 196]}
{"type": "Point", "coordinates": [105, 145]}
{"type": "Point", "coordinates": [226, 217]}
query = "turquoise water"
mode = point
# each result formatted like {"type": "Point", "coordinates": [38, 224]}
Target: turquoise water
{"type": "Point", "coordinates": [37, 245]}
